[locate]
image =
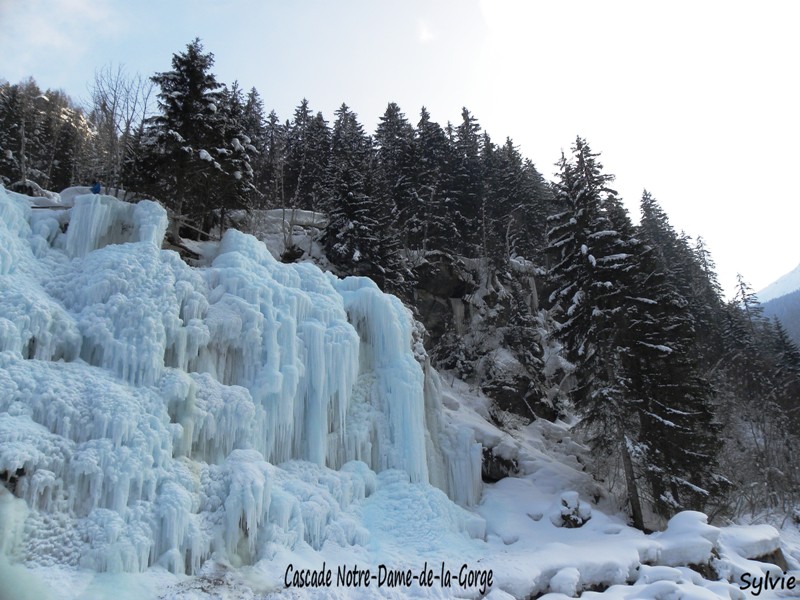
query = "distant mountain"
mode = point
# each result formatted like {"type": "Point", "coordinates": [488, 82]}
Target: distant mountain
{"type": "Point", "coordinates": [787, 309]}
{"type": "Point", "coordinates": [784, 285]}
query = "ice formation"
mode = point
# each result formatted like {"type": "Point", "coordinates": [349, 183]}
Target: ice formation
{"type": "Point", "coordinates": [155, 413]}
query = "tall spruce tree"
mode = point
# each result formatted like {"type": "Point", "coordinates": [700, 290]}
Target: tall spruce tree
{"type": "Point", "coordinates": [589, 264]}
{"type": "Point", "coordinates": [271, 165]}
{"type": "Point", "coordinates": [678, 425]}
{"type": "Point", "coordinates": [317, 158]}
{"type": "Point", "coordinates": [629, 335]}
{"type": "Point", "coordinates": [294, 170]}
{"type": "Point", "coordinates": [254, 128]}
{"type": "Point", "coordinates": [351, 232]}
{"type": "Point", "coordinates": [433, 191]}
{"type": "Point", "coordinates": [359, 237]}
{"type": "Point", "coordinates": [234, 188]}
{"type": "Point", "coordinates": [467, 184]}
{"type": "Point", "coordinates": [183, 136]}
{"type": "Point", "coordinates": [396, 171]}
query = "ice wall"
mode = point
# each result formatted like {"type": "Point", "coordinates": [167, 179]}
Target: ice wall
{"type": "Point", "coordinates": [159, 414]}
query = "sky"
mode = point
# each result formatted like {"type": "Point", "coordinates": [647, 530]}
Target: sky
{"type": "Point", "coordinates": [697, 102]}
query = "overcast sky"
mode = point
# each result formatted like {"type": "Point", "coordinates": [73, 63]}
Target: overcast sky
{"type": "Point", "coordinates": [696, 101]}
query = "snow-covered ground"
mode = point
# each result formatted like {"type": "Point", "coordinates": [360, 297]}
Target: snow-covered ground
{"type": "Point", "coordinates": [221, 432]}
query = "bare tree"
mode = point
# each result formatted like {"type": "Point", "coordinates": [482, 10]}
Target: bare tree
{"type": "Point", "coordinates": [119, 104]}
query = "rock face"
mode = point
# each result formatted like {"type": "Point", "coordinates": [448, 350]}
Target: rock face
{"type": "Point", "coordinates": [439, 297]}
{"type": "Point", "coordinates": [495, 467]}
{"type": "Point", "coordinates": [487, 327]}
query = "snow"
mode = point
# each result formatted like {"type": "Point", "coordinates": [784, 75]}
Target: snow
{"type": "Point", "coordinates": [67, 196]}
{"type": "Point", "coordinates": [566, 581]}
{"type": "Point", "coordinates": [786, 284]}
{"type": "Point", "coordinates": [687, 540]}
{"type": "Point", "coordinates": [751, 541]}
{"type": "Point", "coordinates": [190, 432]}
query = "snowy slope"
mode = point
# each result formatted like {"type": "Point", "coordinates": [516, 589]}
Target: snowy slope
{"type": "Point", "coordinates": [177, 432]}
{"type": "Point", "coordinates": [784, 285]}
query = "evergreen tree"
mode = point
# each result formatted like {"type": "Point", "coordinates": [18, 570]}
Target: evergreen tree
{"type": "Point", "coordinates": [785, 349]}
{"type": "Point", "coordinates": [253, 122]}
{"type": "Point", "coordinates": [745, 298]}
{"type": "Point", "coordinates": [184, 135]}
{"type": "Point", "coordinates": [690, 271]}
{"type": "Point", "coordinates": [43, 138]}
{"type": "Point", "coordinates": [670, 249]}
{"type": "Point", "coordinates": [22, 118]}
{"type": "Point", "coordinates": [272, 162]}
{"type": "Point", "coordinates": [317, 159]}
{"type": "Point", "coordinates": [305, 159]}
{"type": "Point", "coordinates": [359, 237]}
{"type": "Point", "coordinates": [589, 261]}
{"type": "Point", "coordinates": [352, 225]}
{"type": "Point", "coordinates": [529, 199]}
{"type": "Point", "coordinates": [10, 120]}
{"type": "Point", "coordinates": [396, 171]}
{"type": "Point", "coordinates": [233, 187]}
{"type": "Point", "coordinates": [295, 188]}
{"type": "Point", "coordinates": [433, 195]}
{"type": "Point", "coordinates": [254, 127]}
{"type": "Point", "coordinates": [513, 205]}
{"type": "Point", "coordinates": [495, 201]}
{"type": "Point", "coordinates": [629, 335]}
{"type": "Point", "coordinates": [467, 186]}
{"type": "Point", "coordinates": [678, 428]}
{"type": "Point", "coordinates": [707, 306]}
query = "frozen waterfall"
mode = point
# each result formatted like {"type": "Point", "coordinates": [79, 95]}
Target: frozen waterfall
{"type": "Point", "coordinates": [155, 413]}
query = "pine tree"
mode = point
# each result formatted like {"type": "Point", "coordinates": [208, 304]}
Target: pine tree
{"type": "Point", "coordinates": [589, 261]}
{"type": "Point", "coordinates": [495, 204]}
{"type": "Point", "coordinates": [272, 162]}
{"type": "Point", "coordinates": [786, 350]}
{"type": "Point", "coordinates": [678, 428]}
{"type": "Point", "coordinates": [183, 136]}
{"type": "Point", "coordinates": [317, 158]}
{"type": "Point", "coordinates": [254, 127]}
{"type": "Point", "coordinates": [667, 245]}
{"type": "Point", "coordinates": [707, 306]}
{"type": "Point", "coordinates": [351, 231]}
{"type": "Point", "coordinates": [396, 171]}
{"type": "Point", "coordinates": [296, 155]}
{"type": "Point", "coordinates": [43, 138]}
{"type": "Point", "coordinates": [690, 270]}
{"type": "Point", "coordinates": [528, 202]}
{"type": "Point", "coordinates": [745, 298]}
{"type": "Point", "coordinates": [467, 185]}
{"type": "Point", "coordinates": [760, 407]}
{"type": "Point", "coordinates": [10, 119]}
{"type": "Point", "coordinates": [22, 119]}
{"type": "Point", "coordinates": [233, 187]}
{"type": "Point", "coordinates": [514, 204]}
{"type": "Point", "coordinates": [359, 237]}
{"type": "Point", "coordinates": [629, 334]}
{"type": "Point", "coordinates": [433, 190]}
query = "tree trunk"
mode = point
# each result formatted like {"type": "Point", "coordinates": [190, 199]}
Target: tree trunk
{"type": "Point", "coordinates": [630, 483]}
